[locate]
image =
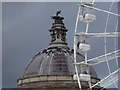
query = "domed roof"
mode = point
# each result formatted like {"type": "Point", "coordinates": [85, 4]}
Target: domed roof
{"type": "Point", "coordinates": [57, 61]}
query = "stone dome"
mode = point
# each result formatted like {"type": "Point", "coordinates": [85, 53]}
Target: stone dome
{"type": "Point", "coordinates": [53, 68]}
{"type": "Point", "coordinates": [57, 61]}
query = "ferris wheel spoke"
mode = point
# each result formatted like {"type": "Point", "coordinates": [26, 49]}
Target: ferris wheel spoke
{"type": "Point", "coordinates": [110, 81]}
{"type": "Point", "coordinates": [115, 42]}
{"type": "Point", "coordinates": [107, 34]}
{"type": "Point", "coordinates": [107, 78]}
{"type": "Point", "coordinates": [97, 60]}
{"type": "Point", "coordinates": [101, 10]}
{"type": "Point", "coordinates": [107, 57]}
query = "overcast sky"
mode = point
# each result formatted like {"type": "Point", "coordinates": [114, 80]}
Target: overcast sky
{"type": "Point", "coordinates": [26, 32]}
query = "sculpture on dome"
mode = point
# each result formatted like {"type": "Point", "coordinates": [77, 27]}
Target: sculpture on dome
{"type": "Point", "coordinates": [58, 12]}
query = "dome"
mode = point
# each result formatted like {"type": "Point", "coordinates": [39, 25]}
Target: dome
{"type": "Point", "coordinates": [54, 68]}
{"type": "Point", "coordinates": [57, 61]}
{"type": "Point", "coordinates": [58, 58]}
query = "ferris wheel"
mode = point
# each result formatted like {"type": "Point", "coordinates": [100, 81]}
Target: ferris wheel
{"type": "Point", "coordinates": [86, 16]}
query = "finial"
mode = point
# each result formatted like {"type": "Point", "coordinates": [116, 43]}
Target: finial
{"type": "Point", "coordinates": [58, 12]}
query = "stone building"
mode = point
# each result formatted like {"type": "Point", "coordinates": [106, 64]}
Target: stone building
{"type": "Point", "coordinates": [53, 69]}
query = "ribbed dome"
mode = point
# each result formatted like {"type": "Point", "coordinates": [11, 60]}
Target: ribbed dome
{"type": "Point", "coordinates": [54, 69]}
{"type": "Point", "coordinates": [57, 61]}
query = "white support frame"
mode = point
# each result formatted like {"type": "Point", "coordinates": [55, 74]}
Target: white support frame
{"type": "Point", "coordinates": [107, 56]}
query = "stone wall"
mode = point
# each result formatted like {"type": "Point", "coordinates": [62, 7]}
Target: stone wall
{"type": "Point", "coordinates": [53, 83]}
